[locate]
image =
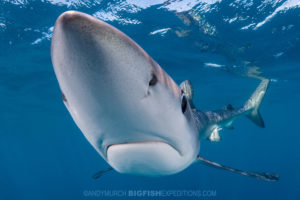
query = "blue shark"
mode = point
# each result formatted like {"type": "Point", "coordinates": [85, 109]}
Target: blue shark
{"type": "Point", "coordinates": [128, 108]}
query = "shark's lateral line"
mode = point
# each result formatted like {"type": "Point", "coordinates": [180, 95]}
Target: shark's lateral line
{"type": "Point", "coordinates": [130, 110]}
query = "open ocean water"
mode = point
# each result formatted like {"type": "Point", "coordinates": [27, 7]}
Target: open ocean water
{"type": "Point", "coordinates": [222, 46]}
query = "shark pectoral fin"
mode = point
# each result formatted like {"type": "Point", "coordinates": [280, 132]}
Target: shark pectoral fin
{"type": "Point", "coordinates": [263, 176]}
{"type": "Point", "coordinates": [215, 136]}
{"type": "Point", "coordinates": [100, 173]}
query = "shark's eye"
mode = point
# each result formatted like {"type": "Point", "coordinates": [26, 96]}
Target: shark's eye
{"type": "Point", "coordinates": [153, 80]}
{"type": "Point", "coordinates": [183, 103]}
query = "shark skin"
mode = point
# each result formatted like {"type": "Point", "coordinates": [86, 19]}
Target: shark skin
{"type": "Point", "coordinates": [129, 109]}
{"type": "Point", "coordinates": [125, 104]}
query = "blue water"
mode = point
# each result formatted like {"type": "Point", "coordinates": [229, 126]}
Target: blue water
{"type": "Point", "coordinates": [221, 46]}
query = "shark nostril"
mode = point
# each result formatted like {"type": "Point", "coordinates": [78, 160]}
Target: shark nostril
{"type": "Point", "coordinates": [153, 80]}
{"type": "Point", "coordinates": [63, 97]}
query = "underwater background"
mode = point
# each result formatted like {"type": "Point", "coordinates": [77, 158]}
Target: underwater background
{"type": "Point", "coordinates": [223, 47]}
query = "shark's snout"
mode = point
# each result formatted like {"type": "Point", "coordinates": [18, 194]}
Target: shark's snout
{"type": "Point", "coordinates": [153, 158]}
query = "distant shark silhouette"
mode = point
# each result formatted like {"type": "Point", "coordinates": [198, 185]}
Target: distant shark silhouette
{"type": "Point", "coordinates": [129, 108]}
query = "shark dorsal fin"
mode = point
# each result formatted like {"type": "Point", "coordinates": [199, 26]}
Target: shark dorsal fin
{"type": "Point", "coordinates": [187, 89]}
{"type": "Point", "coordinates": [228, 107]}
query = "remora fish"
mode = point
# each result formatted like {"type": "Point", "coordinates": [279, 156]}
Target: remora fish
{"type": "Point", "coordinates": [130, 110]}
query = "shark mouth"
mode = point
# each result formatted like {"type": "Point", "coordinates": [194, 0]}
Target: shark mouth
{"type": "Point", "coordinates": [154, 158]}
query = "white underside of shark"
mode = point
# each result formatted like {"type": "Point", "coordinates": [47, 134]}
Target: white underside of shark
{"type": "Point", "coordinates": [130, 110]}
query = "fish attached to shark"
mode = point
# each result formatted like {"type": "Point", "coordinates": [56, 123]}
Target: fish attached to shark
{"type": "Point", "coordinates": [129, 109]}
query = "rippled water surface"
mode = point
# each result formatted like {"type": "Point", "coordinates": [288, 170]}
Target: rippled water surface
{"type": "Point", "coordinates": [223, 47]}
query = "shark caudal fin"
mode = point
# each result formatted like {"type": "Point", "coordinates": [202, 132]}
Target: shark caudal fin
{"type": "Point", "coordinates": [252, 105]}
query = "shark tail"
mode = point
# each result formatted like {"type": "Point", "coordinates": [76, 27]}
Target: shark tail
{"type": "Point", "coordinates": [252, 105]}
